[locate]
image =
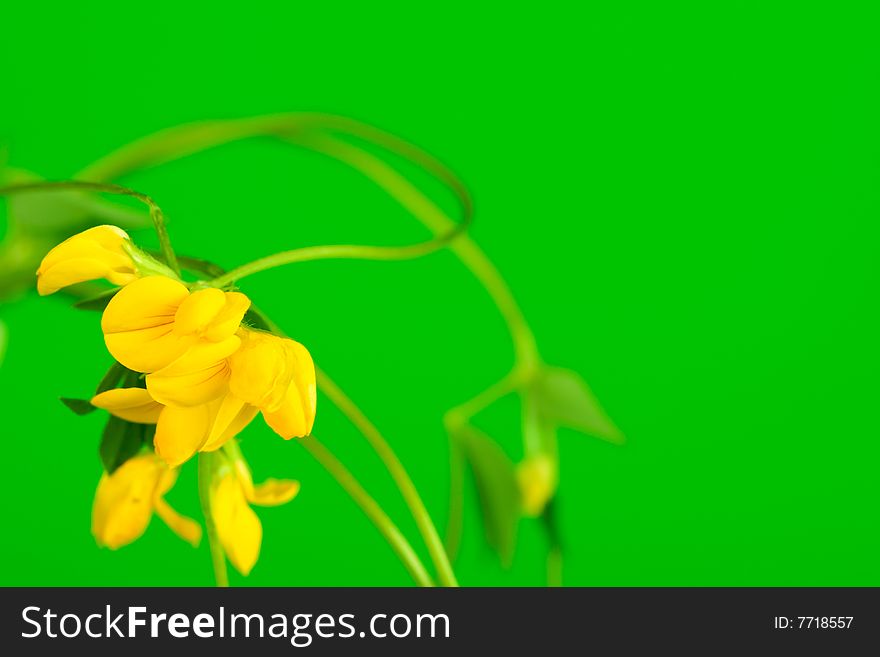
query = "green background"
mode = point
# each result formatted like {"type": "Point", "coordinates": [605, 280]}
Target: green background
{"type": "Point", "coordinates": [684, 200]}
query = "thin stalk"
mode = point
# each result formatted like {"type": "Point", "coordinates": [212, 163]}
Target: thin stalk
{"type": "Point", "coordinates": [373, 511]}
{"type": "Point", "coordinates": [156, 214]}
{"type": "Point", "coordinates": [337, 252]}
{"type": "Point", "coordinates": [398, 473]}
{"type": "Point", "coordinates": [218, 557]}
{"type": "Point", "coordinates": [554, 567]}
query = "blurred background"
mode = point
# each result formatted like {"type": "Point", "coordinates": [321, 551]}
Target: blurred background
{"type": "Point", "coordinates": [684, 200]}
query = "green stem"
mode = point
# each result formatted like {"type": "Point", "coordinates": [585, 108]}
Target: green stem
{"type": "Point", "coordinates": [457, 416]}
{"type": "Point", "coordinates": [373, 511]}
{"type": "Point", "coordinates": [427, 212]}
{"type": "Point", "coordinates": [218, 558]}
{"type": "Point", "coordinates": [301, 128]}
{"type": "Point", "coordinates": [554, 567]}
{"type": "Point", "coordinates": [455, 519]}
{"type": "Point", "coordinates": [338, 252]}
{"type": "Point", "coordinates": [398, 473]}
{"type": "Point", "coordinates": [156, 214]}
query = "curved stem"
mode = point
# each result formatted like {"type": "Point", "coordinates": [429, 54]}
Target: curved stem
{"type": "Point", "coordinates": [405, 193]}
{"type": "Point", "coordinates": [156, 214]}
{"type": "Point", "coordinates": [463, 412]}
{"type": "Point", "coordinates": [303, 129]}
{"type": "Point", "coordinates": [337, 252]}
{"type": "Point", "coordinates": [218, 558]}
{"type": "Point", "coordinates": [374, 512]}
{"type": "Point", "coordinates": [398, 473]}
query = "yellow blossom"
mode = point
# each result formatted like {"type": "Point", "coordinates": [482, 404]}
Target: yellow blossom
{"type": "Point", "coordinates": [537, 477]}
{"type": "Point", "coordinates": [207, 376]}
{"type": "Point", "coordinates": [98, 252]}
{"type": "Point", "coordinates": [126, 500]}
{"type": "Point", "coordinates": [238, 527]}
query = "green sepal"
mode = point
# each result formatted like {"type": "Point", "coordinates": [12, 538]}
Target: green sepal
{"type": "Point", "coordinates": [497, 489]}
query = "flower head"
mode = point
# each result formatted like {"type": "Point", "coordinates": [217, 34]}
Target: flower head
{"type": "Point", "coordinates": [238, 527]}
{"type": "Point", "coordinates": [98, 252]}
{"type": "Point", "coordinates": [126, 500]}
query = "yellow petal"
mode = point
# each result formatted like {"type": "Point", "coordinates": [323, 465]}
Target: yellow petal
{"type": "Point", "coordinates": [296, 415]}
{"type": "Point", "coordinates": [233, 415]}
{"type": "Point", "coordinates": [189, 530]}
{"type": "Point", "coordinates": [197, 377]}
{"type": "Point", "coordinates": [181, 431]}
{"type": "Point", "coordinates": [238, 527]}
{"type": "Point", "coordinates": [150, 301]}
{"type": "Point", "coordinates": [124, 501]}
{"type": "Point", "coordinates": [261, 369]}
{"type": "Point", "coordinates": [95, 253]}
{"type": "Point", "coordinates": [273, 492]}
{"type": "Point", "coordinates": [132, 404]}
{"type": "Point", "coordinates": [228, 320]}
{"type": "Point", "coordinates": [139, 320]}
{"type": "Point", "coordinates": [198, 311]}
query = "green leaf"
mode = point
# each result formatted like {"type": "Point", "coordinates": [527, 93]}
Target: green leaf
{"type": "Point", "coordinates": [112, 377]}
{"type": "Point", "coordinates": [96, 303]}
{"type": "Point", "coordinates": [565, 399]}
{"type": "Point", "coordinates": [497, 488]}
{"type": "Point", "coordinates": [78, 406]}
{"type": "Point", "coordinates": [120, 441]}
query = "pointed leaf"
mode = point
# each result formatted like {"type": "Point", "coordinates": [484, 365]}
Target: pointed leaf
{"type": "Point", "coordinates": [78, 406]}
{"type": "Point", "coordinates": [121, 441]}
{"type": "Point", "coordinates": [565, 399]}
{"type": "Point", "coordinates": [498, 491]}
{"type": "Point", "coordinates": [112, 377]}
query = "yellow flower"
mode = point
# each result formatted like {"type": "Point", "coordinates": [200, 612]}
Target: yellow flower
{"type": "Point", "coordinates": [95, 253]}
{"type": "Point", "coordinates": [125, 502]}
{"type": "Point", "coordinates": [207, 377]}
{"type": "Point", "coordinates": [238, 528]}
{"type": "Point", "coordinates": [537, 477]}
{"type": "Point", "coordinates": [181, 431]}
{"type": "Point", "coordinates": [277, 376]}
{"type": "Point", "coordinates": [154, 321]}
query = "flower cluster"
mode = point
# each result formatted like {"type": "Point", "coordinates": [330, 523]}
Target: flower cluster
{"type": "Point", "coordinates": [202, 376]}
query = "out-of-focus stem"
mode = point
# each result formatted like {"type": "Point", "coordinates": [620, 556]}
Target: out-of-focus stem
{"type": "Point", "coordinates": [218, 557]}
{"type": "Point", "coordinates": [554, 567]}
{"type": "Point", "coordinates": [374, 512]}
{"type": "Point", "coordinates": [398, 473]}
{"type": "Point", "coordinates": [156, 214]}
